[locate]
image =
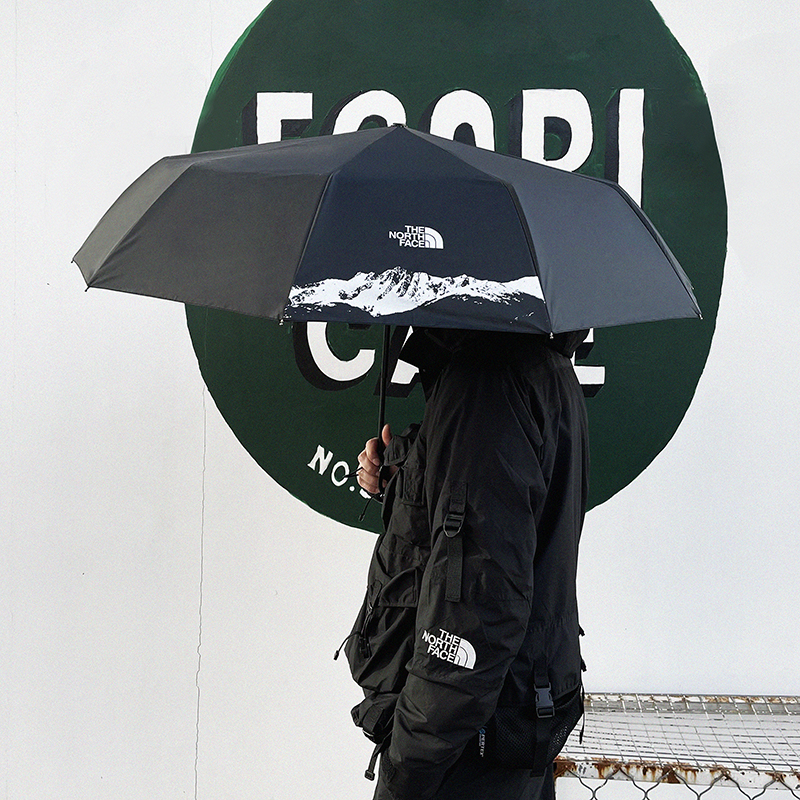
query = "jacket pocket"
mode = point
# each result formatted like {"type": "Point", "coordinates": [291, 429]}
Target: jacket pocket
{"type": "Point", "coordinates": [383, 635]}
{"type": "Point", "coordinates": [375, 716]}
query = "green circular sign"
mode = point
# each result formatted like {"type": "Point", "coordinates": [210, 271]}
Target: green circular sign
{"type": "Point", "coordinates": [597, 86]}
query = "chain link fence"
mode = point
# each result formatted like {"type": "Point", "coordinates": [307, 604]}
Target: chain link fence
{"type": "Point", "coordinates": [670, 747]}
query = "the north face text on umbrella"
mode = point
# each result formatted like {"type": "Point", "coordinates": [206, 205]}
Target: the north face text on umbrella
{"type": "Point", "coordinates": [418, 236]}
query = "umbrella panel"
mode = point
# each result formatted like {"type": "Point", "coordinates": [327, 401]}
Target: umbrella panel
{"type": "Point", "coordinates": [599, 258]}
{"type": "Point", "coordinates": [409, 234]}
{"type": "Point", "coordinates": [219, 241]}
{"type": "Point", "coordinates": [365, 260]}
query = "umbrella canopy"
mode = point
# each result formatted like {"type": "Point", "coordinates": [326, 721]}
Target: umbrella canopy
{"type": "Point", "coordinates": [388, 225]}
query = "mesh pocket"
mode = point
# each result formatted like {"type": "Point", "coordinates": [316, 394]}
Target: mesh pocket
{"type": "Point", "coordinates": [511, 737]}
{"type": "Point", "coordinates": [567, 716]}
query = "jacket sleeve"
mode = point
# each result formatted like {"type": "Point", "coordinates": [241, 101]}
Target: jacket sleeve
{"type": "Point", "coordinates": [484, 446]}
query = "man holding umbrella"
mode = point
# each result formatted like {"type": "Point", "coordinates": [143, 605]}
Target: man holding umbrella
{"type": "Point", "coordinates": [467, 644]}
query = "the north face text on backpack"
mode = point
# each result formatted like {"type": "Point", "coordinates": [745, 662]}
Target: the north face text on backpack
{"type": "Point", "coordinates": [450, 647]}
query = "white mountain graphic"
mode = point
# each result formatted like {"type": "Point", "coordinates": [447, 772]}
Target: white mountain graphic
{"type": "Point", "coordinates": [397, 290]}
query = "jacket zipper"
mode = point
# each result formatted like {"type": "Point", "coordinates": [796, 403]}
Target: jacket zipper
{"type": "Point", "coordinates": [363, 641]}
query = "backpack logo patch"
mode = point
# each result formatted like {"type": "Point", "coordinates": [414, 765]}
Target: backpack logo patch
{"type": "Point", "coordinates": [449, 647]}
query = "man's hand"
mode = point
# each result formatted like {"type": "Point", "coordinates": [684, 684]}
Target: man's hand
{"type": "Point", "coordinates": [370, 460]}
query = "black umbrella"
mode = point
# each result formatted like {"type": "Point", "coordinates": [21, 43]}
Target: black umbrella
{"type": "Point", "coordinates": [387, 225]}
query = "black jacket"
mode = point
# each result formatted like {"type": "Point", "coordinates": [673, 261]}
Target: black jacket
{"type": "Point", "coordinates": [450, 631]}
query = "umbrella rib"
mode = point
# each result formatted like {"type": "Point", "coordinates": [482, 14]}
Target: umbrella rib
{"type": "Point", "coordinates": [319, 206]}
{"type": "Point", "coordinates": [531, 246]}
{"type": "Point", "coordinates": [308, 235]}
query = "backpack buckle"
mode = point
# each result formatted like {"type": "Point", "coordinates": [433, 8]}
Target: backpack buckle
{"type": "Point", "coordinates": [452, 524]}
{"type": "Point", "coordinates": [544, 702]}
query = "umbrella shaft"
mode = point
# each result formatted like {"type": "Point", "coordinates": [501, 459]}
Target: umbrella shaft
{"type": "Point", "coordinates": [384, 382]}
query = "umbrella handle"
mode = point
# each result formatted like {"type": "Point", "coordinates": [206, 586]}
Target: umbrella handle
{"type": "Point", "coordinates": [382, 384]}
{"type": "Point", "coordinates": [384, 381]}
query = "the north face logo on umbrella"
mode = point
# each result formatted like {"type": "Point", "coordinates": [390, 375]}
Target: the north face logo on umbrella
{"type": "Point", "coordinates": [418, 236]}
{"type": "Point", "coordinates": [450, 647]}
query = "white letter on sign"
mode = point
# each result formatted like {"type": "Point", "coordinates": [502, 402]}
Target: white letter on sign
{"type": "Point", "coordinates": [631, 141]}
{"type": "Point", "coordinates": [321, 460]}
{"type": "Point", "coordinates": [275, 107]}
{"type": "Point", "coordinates": [567, 104]}
{"type": "Point", "coordinates": [329, 364]}
{"type": "Point", "coordinates": [343, 467]}
{"type": "Point", "coordinates": [461, 106]}
{"type": "Point", "coordinates": [376, 103]}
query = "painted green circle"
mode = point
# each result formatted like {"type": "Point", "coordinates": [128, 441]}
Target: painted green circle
{"type": "Point", "coordinates": [306, 437]}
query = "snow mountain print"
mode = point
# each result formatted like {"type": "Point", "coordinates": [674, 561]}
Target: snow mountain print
{"type": "Point", "coordinates": [398, 290]}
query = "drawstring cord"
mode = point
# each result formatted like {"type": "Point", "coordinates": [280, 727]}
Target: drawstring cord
{"type": "Point", "coordinates": [346, 640]}
{"type": "Point", "coordinates": [369, 774]}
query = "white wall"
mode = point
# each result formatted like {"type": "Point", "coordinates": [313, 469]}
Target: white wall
{"type": "Point", "coordinates": [121, 485]}
{"type": "Point", "coordinates": [691, 572]}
